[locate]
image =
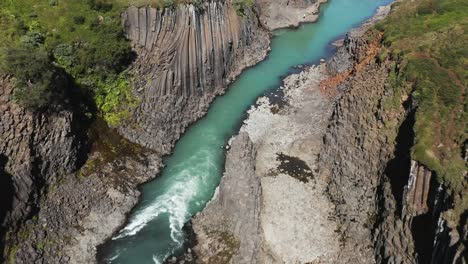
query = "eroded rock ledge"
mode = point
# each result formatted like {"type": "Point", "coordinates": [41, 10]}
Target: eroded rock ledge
{"type": "Point", "coordinates": [288, 13]}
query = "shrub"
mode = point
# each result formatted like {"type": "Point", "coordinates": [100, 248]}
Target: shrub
{"type": "Point", "coordinates": [100, 5]}
{"type": "Point", "coordinates": [79, 20]}
{"type": "Point", "coordinates": [36, 78]}
{"type": "Point", "coordinates": [242, 5]}
{"type": "Point", "coordinates": [64, 54]}
{"type": "Point", "coordinates": [32, 39]}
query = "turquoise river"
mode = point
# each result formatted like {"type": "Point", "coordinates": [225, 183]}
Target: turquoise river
{"type": "Point", "coordinates": [193, 171]}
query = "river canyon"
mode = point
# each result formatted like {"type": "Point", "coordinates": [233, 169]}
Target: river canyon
{"type": "Point", "coordinates": [258, 137]}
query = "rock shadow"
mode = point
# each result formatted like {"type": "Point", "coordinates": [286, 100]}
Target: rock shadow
{"type": "Point", "coordinates": [6, 201]}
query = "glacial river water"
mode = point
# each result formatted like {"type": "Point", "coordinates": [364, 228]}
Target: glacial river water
{"type": "Point", "coordinates": [193, 171]}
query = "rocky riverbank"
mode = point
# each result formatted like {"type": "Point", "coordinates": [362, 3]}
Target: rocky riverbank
{"type": "Point", "coordinates": [288, 13]}
{"type": "Point", "coordinates": [282, 198]}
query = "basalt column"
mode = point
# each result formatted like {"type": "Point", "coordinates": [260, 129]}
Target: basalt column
{"type": "Point", "coordinates": [186, 56]}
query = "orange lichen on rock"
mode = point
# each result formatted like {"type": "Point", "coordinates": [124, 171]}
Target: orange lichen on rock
{"type": "Point", "coordinates": [327, 85]}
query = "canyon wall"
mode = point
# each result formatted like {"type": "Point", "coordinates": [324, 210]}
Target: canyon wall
{"type": "Point", "coordinates": [186, 56]}
{"type": "Point", "coordinates": [51, 210]}
{"type": "Point", "coordinates": [226, 219]}
{"type": "Point", "coordinates": [35, 149]}
{"type": "Point", "coordinates": [389, 208]}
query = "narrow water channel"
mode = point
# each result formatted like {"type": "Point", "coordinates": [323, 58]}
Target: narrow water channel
{"type": "Point", "coordinates": [193, 171]}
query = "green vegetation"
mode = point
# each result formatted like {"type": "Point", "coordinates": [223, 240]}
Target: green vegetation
{"type": "Point", "coordinates": [11, 256]}
{"type": "Point", "coordinates": [108, 146]}
{"type": "Point", "coordinates": [38, 81]}
{"type": "Point", "coordinates": [54, 46]}
{"type": "Point", "coordinates": [428, 40]}
{"type": "Point", "coordinates": [242, 5]}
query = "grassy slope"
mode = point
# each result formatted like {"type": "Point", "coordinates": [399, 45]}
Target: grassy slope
{"type": "Point", "coordinates": [428, 38]}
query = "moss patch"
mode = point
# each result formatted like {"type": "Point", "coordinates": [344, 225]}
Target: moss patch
{"type": "Point", "coordinates": [294, 167]}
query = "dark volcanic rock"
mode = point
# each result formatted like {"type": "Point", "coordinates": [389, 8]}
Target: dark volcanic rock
{"type": "Point", "coordinates": [390, 209]}
{"type": "Point", "coordinates": [234, 212]}
{"type": "Point", "coordinates": [36, 148]}
{"type": "Point", "coordinates": [186, 56]}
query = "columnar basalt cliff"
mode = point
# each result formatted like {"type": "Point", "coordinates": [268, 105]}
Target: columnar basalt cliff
{"type": "Point", "coordinates": [388, 207]}
{"type": "Point", "coordinates": [51, 212]}
{"type": "Point", "coordinates": [36, 150]}
{"type": "Point", "coordinates": [186, 56]}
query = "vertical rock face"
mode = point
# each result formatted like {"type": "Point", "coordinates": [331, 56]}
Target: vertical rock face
{"type": "Point", "coordinates": [48, 214]}
{"type": "Point", "coordinates": [388, 207]}
{"type": "Point", "coordinates": [234, 213]}
{"type": "Point", "coordinates": [35, 148]}
{"type": "Point", "coordinates": [186, 56]}
{"type": "Point", "coordinates": [352, 158]}
{"type": "Point", "coordinates": [417, 190]}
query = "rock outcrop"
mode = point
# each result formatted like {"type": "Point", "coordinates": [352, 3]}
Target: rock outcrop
{"type": "Point", "coordinates": [293, 209]}
{"type": "Point", "coordinates": [388, 207]}
{"type": "Point", "coordinates": [228, 218]}
{"type": "Point", "coordinates": [36, 148]}
{"type": "Point", "coordinates": [186, 56]}
{"type": "Point", "coordinates": [287, 13]}
{"type": "Point", "coordinates": [54, 210]}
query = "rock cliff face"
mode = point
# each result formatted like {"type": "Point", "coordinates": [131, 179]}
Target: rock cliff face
{"type": "Point", "coordinates": [387, 206]}
{"type": "Point", "coordinates": [54, 213]}
{"type": "Point", "coordinates": [226, 219]}
{"type": "Point", "coordinates": [186, 56]}
{"type": "Point", "coordinates": [36, 150]}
